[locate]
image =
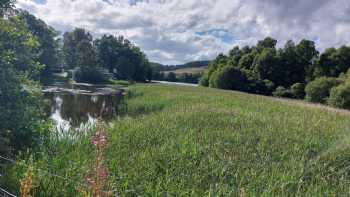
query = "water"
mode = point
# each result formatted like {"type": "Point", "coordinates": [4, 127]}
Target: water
{"type": "Point", "coordinates": [78, 106]}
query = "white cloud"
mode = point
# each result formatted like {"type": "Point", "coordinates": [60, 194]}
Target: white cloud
{"type": "Point", "coordinates": [171, 31]}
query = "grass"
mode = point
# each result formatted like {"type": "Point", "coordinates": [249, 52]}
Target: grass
{"type": "Point", "coordinates": [184, 141]}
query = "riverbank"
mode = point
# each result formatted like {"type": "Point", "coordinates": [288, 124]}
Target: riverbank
{"type": "Point", "coordinates": [186, 141]}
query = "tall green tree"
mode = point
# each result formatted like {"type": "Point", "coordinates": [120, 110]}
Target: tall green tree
{"type": "Point", "coordinates": [267, 66]}
{"type": "Point", "coordinates": [46, 35]}
{"type": "Point", "coordinates": [124, 59]}
{"type": "Point", "coordinates": [108, 50]}
{"type": "Point", "coordinates": [20, 98]}
{"type": "Point", "coordinates": [6, 5]}
{"type": "Point", "coordinates": [307, 55]}
{"type": "Point", "coordinates": [71, 41]}
{"type": "Point", "coordinates": [293, 72]}
{"type": "Point", "coordinates": [268, 42]}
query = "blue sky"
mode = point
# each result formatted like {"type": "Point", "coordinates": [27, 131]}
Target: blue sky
{"type": "Point", "coordinates": [177, 31]}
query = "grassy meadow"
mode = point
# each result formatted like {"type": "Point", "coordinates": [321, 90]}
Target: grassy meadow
{"type": "Point", "coordinates": [184, 141]}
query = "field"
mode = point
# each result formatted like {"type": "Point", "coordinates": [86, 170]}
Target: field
{"type": "Point", "coordinates": [196, 70]}
{"type": "Point", "coordinates": [184, 141]}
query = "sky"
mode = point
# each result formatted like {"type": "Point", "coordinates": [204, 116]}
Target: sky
{"type": "Point", "coordinates": [178, 31]}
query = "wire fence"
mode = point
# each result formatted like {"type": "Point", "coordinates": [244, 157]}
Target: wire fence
{"type": "Point", "coordinates": [4, 193]}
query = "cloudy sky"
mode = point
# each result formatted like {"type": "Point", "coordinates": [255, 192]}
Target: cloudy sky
{"type": "Point", "coordinates": [177, 31]}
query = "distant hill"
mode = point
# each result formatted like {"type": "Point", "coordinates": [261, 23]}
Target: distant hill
{"type": "Point", "coordinates": [194, 64]}
{"type": "Point", "coordinates": [188, 70]}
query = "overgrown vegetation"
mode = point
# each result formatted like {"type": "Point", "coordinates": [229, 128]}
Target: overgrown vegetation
{"type": "Point", "coordinates": [201, 142]}
{"type": "Point", "coordinates": [21, 114]}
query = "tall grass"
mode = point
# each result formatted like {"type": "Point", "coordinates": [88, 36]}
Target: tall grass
{"type": "Point", "coordinates": [183, 141]}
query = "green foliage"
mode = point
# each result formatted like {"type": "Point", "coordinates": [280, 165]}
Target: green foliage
{"type": "Point", "coordinates": [282, 92]}
{"type": "Point", "coordinates": [228, 78]}
{"type": "Point", "coordinates": [266, 64]}
{"type": "Point", "coordinates": [298, 90]}
{"type": "Point", "coordinates": [123, 59]}
{"type": "Point", "coordinates": [171, 77]}
{"type": "Point", "coordinates": [318, 90]}
{"type": "Point", "coordinates": [21, 117]}
{"type": "Point", "coordinates": [71, 41]}
{"type": "Point", "coordinates": [340, 96]}
{"type": "Point", "coordinates": [48, 45]}
{"type": "Point", "coordinates": [267, 43]}
{"type": "Point", "coordinates": [204, 80]}
{"type": "Point", "coordinates": [18, 47]}
{"type": "Point", "coordinates": [333, 62]}
{"type": "Point", "coordinates": [6, 5]}
{"type": "Point", "coordinates": [88, 68]}
{"type": "Point", "coordinates": [282, 67]}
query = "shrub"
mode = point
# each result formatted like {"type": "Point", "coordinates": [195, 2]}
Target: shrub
{"type": "Point", "coordinates": [228, 78]}
{"type": "Point", "coordinates": [318, 90]}
{"type": "Point", "coordinates": [298, 90]}
{"type": "Point", "coordinates": [91, 76]}
{"type": "Point", "coordinates": [204, 80]}
{"type": "Point", "coordinates": [171, 77]}
{"type": "Point", "coordinates": [282, 92]}
{"type": "Point", "coordinates": [340, 96]}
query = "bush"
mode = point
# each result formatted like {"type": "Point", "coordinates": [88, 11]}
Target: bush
{"type": "Point", "coordinates": [298, 90]}
{"type": "Point", "coordinates": [204, 80]}
{"type": "Point", "coordinates": [282, 92]}
{"type": "Point", "coordinates": [228, 78]}
{"type": "Point", "coordinates": [91, 76]}
{"type": "Point", "coordinates": [171, 77]}
{"type": "Point", "coordinates": [340, 96]}
{"type": "Point", "coordinates": [318, 90]}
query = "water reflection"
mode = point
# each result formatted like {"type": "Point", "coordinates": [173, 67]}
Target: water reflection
{"type": "Point", "coordinates": [79, 108]}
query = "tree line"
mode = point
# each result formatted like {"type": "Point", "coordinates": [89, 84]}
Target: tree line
{"type": "Point", "coordinates": [294, 71]}
{"type": "Point", "coordinates": [115, 55]}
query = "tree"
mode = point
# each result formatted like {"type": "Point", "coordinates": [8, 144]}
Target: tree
{"type": "Point", "coordinates": [340, 96]}
{"type": "Point", "coordinates": [228, 78]}
{"type": "Point", "coordinates": [6, 5]}
{"type": "Point", "coordinates": [46, 36]}
{"type": "Point", "coordinates": [21, 117]}
{"type": "Point", "coordinates": [333, 62]}
{"type": "Point", "coordinates": [268, 42]}
{"type": "Point", "coordinates": [246, 61]}
{"type": "Point", "coordinates": [234, 56]}
{"type": "Point", "coordinates": [88, 68]}
{"type": "Point", "coordinates": [71, 41]}
{"type": "Point", "coordinates": [318, 90]}
{"type": "Point", "coordinates": [293, 72]}
{"type": "Point", "coordinates": [267, 66]}
{"type": "Point", "coordinates": [172, 77]}
{"type": "Point", "coordinates": [307, 54]}
{"type": "Point", "coordinates": [108, 49]}
{"type": "Point", "coordinates": [19, 47]}
{"type": "Point", "coordinates": [124, 59]}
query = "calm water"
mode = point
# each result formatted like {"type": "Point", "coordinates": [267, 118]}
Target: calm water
{"type": "Point", "coordinates": [77, 107]}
